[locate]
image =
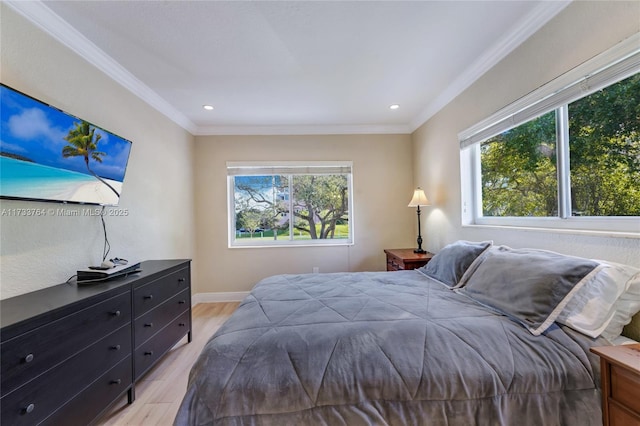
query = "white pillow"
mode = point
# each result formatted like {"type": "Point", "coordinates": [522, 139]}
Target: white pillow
{"type": "Point", "coordinates": [625, 308]}
{"type": "Point", "coordinates": [621, 340]}
{"type": "Point", "coordinates": [594, 306]}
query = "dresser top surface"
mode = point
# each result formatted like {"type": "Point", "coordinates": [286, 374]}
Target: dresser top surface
{"type": "Point", "coordinates": [48, 301]}
{"type": "Point", "coordinates": [627, 356]}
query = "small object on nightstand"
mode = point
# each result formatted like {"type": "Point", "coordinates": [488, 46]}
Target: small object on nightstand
{"type": "Point", "coordinates": [620, 375]}
{"type": "Point", "coordinates": [405, 259]}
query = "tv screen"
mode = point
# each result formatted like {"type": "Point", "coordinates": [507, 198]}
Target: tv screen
{"type": "Point", "coordinates": [49, 155]}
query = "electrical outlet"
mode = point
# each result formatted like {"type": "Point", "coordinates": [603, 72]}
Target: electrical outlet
{"type": "Point", "coordinates": [316, 270]}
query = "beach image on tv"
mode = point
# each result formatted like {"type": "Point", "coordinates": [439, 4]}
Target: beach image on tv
{"type": "Point", "coordinates": [47, 154]}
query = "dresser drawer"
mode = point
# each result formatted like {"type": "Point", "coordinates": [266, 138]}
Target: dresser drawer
{"type": "Point", "coordinates": [30, 354]}
{"type": "Point", "coordinates": [86, 406]}
{"type": "Point", "coordinates": [150, 351]}
{"type": "Point", "coordinates": [32, 402]}
{"type": "Point", "coordinates": [154, 293]}
{"type": "Point", "coordinates": [154, 321]}
{"type": "Point", "coordinates": [624, 387]}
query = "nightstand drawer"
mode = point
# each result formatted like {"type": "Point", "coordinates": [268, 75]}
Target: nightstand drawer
{"type": "Point", "coordinates": [394, 264]}
{"type": "Point", "coordinates": [621, 417]}
{"type": "Point", "coordinates": [624, 387]}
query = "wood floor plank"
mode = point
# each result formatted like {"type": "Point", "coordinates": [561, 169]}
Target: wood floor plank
{"type": "Point", "coordinates": [160, 391]}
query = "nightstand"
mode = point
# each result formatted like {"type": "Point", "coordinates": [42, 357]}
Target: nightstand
{"type": "Point", "coordinates": [404, 259]}
{"type": "Point", "coordinates": [620, 373]}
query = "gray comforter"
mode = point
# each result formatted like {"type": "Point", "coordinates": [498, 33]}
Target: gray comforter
{"type": "Point", "coordinates": [385, 348]}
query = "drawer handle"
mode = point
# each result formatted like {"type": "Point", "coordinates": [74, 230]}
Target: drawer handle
{"type": "Point", "coordinates": [115, 382]}
{"type": "Point", "coordinates": [182, 324]}
{"type": "Point", "coordinates": [182, 302]}
{"type": "Point", "coordinates": [181, 280]}
{"type": "Point", "coordinates": [115, 313]}
{"type": "Point", "coordinates": [115, 348]}
{"type": "Point", "coordinates": [149, 324]}
{"type": "Point", "coordinates": [28, 358]}
{"type": "Point", "coordinates": [148, 297]}
{"type": "Point", "coordinates": [148, 353]}
{"type": "Point", "coordinates": [29, 408]}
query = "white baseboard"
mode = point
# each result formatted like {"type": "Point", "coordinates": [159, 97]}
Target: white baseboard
{"type": "Point", "coordinates": [235, 296]}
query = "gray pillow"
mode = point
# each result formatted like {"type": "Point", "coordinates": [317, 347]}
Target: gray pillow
{"type": "Point", "coordinates": [528, 285]}
{"type": "Point", "coordinates": [450, 265]}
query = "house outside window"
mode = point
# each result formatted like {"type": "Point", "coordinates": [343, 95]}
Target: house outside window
{"type": "Point", "coordinates": [565, 156]}
{"type": "Point", "coordinates": [290, 203]}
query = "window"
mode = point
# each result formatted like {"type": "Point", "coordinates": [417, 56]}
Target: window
{"type": "Point", "coordinates": [290, 203]}
{"type": "Point", "coordinates": [604, 147]}
{"type": "Point", "coordinates": [565, 156]}
{"type": "Point", "coordinates": [518, 169]}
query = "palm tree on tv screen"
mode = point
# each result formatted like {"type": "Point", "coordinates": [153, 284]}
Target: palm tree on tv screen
{"type": "Point", "coordinates": [83, 142]}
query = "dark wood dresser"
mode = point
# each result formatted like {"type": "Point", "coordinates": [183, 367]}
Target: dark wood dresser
{"type": "Point", "coordinates": [401, 259]}
{"type": "Point", "coordinates": [69, 351]}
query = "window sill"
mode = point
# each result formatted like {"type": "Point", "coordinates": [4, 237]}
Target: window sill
{"type": "Point", "coordinates": [585, 232]}
{"type": "Point", "coordinates": [289, 245]}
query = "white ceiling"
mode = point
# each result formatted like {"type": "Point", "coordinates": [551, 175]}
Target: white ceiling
{"type": "Point", "coordinates": [293, 66]}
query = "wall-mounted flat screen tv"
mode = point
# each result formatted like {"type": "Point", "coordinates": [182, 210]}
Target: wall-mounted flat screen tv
{"type": "Point", "coordinates": [49, 155]}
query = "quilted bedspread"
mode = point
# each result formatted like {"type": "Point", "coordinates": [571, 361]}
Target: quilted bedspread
{"type": "Point", "coordinates": [385, 348]}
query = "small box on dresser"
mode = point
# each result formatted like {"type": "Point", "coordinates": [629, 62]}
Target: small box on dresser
{"type": "Point", "coordinates": [620, 377]}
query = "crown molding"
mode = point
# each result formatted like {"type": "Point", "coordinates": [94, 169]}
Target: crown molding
{"type": "Point", "coordinates": [44, 18]}
{"type": "Point", "coordinates": [347, 129]}
{"type": "Point", "coordinates": [520, 32]}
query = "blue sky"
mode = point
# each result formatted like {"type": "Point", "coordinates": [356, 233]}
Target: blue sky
{"type": "Point", "coordinates": [36, 131]}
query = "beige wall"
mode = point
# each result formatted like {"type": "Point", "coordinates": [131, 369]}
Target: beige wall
{"type": "Point", "coordinates": [37, 252]}
{"type": "Point", "coordinates": [578, 33]}
{"type": "Point", "coordinates": [382, 188]}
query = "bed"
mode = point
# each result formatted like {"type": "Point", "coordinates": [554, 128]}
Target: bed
{"type": "Point", "coordinates": [430, 346]}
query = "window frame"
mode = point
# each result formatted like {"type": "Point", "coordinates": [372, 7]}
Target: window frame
{"type": "Point", "coordinates": [259, 168]}
{"type": "Point", "coordinates": [608, 68]}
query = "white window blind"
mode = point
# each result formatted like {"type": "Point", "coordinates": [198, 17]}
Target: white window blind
{"type": "Point", "coordinates": [288, 168]}
{"type": "Point", "coordinates": [603, 70]}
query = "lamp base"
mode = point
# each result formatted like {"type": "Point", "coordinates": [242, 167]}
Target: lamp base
{"type": "Point", "coordinates": [420, 251]}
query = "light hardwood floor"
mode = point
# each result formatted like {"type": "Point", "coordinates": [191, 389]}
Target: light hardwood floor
{"type": "Point", "coordinates": [160, 391]}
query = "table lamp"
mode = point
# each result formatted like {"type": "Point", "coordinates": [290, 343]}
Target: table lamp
{"type": "Point", "coordinates": [419, 199]}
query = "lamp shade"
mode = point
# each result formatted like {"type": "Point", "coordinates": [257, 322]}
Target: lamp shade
{"type": "Point", "coordinates": [419, 199]}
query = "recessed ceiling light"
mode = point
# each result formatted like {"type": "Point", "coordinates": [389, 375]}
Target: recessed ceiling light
{"type": "Point", "coordinates": [207, 107]}
{"type": "Point", "coordinates": [394, 106]}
